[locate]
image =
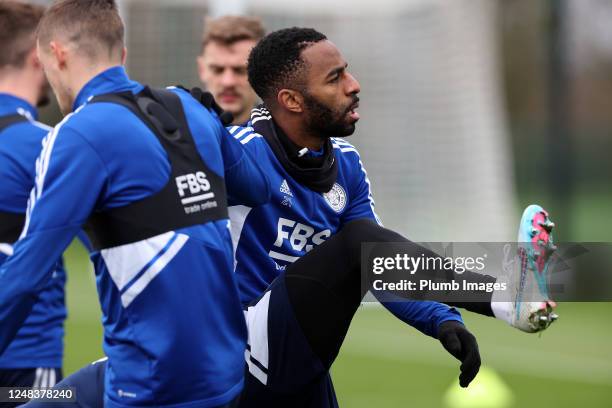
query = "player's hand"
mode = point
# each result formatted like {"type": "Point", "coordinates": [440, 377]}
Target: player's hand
{"type": "Point", "coordinates": [207, 99]}
{"type": "Point", "coordinates": [462, 344]}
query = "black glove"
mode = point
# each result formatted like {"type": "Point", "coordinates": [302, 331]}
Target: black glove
{"type": "Point", "coordinates": [207, 99]}
{"type": "Point", "coordinates": [462, 344]}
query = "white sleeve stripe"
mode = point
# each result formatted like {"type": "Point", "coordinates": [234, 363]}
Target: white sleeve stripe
{"type": "Point", "coordinates": [33, 121]}
{"type": "Point", "coordinates": [41, 126]}
{"type": "Point", "coordinates": [341, 142]}
{"type": "Point", "coordinates": [47, 149]}
{"type": "Point", "coordinates": [365, 173]}
{"type": "Point", "coordinates": [44, 378]}
{"type": "Point", "coordinates": [370, 196]}
{"type": "Point", "coordinates": [345, 149]}
{"type": "Point", "coordinates": [257, 119]}
{"type": "Point", "coordinates": [37, 378]}
{"type": "Point", "coordinates": [42, 166]}
{"type": "Point", "coordinates": [45, 156]}
{"type": "Point", "coordinates": [250, 137]}
{"type": "Point", "coordinates": [243, 132]}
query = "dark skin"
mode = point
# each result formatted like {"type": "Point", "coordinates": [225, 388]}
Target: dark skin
{"type": "Point", "coordinates": [329, 87]}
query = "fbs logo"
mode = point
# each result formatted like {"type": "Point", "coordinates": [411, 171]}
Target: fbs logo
{"type": "Point", "coordinates": [193, 187]}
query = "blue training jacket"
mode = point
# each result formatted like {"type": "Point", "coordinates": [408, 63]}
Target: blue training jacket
{"type": "Point", "coordinates": [39, 341]}
{"type": "Point", "coordinates": [174, 330]}
{"type": "Point", "coordinates": [268, 238]}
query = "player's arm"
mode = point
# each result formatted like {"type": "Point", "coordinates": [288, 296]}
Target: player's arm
{"type": "Point", "coordinates": [425, 316]}
{"type": "Point", "coordinates": [70, 178]}
{"type": "Point", "coordinates": [246, 182]}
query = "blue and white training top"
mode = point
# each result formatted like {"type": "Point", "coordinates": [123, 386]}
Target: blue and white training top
{"type": "Point", "coordinates": [39, 341]}
{"type": "Point", "coordinates": [268, 238]}
{"type": "Point", "coordinates": [153, 293]}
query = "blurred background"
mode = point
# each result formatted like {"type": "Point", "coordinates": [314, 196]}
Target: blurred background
{"type": "Point", "coordinates": [471, 110]}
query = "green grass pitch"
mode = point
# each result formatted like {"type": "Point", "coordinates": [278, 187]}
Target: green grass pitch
{"type": "Point", "coordinates": [384, 363]}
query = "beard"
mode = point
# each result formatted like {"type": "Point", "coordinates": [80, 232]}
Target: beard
{"type": "Point", "coordinates": [328, 122]}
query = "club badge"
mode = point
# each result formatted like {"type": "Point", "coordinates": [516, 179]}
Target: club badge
{"type": "Point", "coordinates": [336, 198]}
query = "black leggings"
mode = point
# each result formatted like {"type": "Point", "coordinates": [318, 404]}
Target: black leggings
{"type": "Point", "coordinates": [325, 286]}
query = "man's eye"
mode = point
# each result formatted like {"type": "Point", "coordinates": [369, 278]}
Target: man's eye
{"type": "Point", "coordinates": [217, 70]}
{"type": "Point", "coordinates": [240, 71]}
{"type": "Point", "coordinates": [335, 78]}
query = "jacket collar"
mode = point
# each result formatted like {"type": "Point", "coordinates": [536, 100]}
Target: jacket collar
{"type": "Point", "coordinates": [112, 80]}
{"type": "Point", "coordinates": [10, 104]}
{"type": "Point", "coordinates": [317, 172]}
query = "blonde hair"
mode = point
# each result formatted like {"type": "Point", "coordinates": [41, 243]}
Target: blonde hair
{"type": "Point", "coordinates": [93, 25]}
{"type": "Point", "coordinates": [228, 30]}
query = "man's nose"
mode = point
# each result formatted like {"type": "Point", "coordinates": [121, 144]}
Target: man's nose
{"type": "Point", "coordinates": [353, 86]}
{"type": "Point", "coordinates": [228, 78]}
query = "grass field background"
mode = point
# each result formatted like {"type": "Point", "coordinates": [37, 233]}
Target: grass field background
{"type": "Point", "coordinates": [384, 363]}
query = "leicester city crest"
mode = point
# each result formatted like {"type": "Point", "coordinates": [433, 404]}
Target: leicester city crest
{"type": "Point", "coordinates": [336, 198]}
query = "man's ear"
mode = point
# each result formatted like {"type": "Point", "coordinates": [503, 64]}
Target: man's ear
{"type": "Point", "coordinates": [291, 100]}
{"type": "Point", "coordinates": [123, 55]}
{"type": "Point", "coordinates": [59, 53]}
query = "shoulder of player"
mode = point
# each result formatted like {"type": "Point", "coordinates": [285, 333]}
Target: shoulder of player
{"type": "Point", "coordinates": [29, 129]}
{"type": "Point", "coordinates": [22, 143]}
{"type": "Point", "coordinates": [202, 120]}
{"type": "Point", "coordinates": [344, 150]}
{"type": "Point", "coordinates": [246, 135]}
{"type": "Point", "coordinates": [98, 122]}
{"type": "Point", "coordinates": [85, 125]}
{"type": "Point", "coordinates": [186, 99]}
{"type": "Point", "coordinates": [348, 158]}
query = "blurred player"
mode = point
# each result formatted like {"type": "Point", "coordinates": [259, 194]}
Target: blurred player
{"type": "Point", "coordinates": [34, 357]}
{"type": "Point", "coordinates": [222, 63]}
{"type": "Point", "coordinates": [144, 170]}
